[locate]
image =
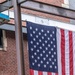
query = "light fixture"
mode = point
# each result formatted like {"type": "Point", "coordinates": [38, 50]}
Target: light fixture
{"type": "Point", "coordinates": [4, 18]}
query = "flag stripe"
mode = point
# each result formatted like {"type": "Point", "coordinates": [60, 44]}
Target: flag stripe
{"type": "Point", "coordinates": [67, 70]}
{"type": "Point", "coordinates": [59, 52]}
{"type": "Point", "coordinates": [40, 73]}
{"type": "Point", "coordinates": [63, 51]}
{"type": "Point", "coordinates": [44, 73]}
{"type": "Point", "coordinates": [35, 72]}
{"type": "Point", "coordinates": [56, 74]}
{"type": "Point", "coordinates": [71, 52]}
{"type": "Point", "coordinates": [31, 72]}
{"type": "Point", "coordinates": [53, 73]}
{"type": "Point", "coordinates": [49, 73]}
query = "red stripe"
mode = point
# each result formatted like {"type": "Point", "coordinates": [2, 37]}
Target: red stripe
{"type": "Point", "coordinates": [63, 51]}
{"type": "Point", "coordinates": [40, 73]}
{"type": "Point", "coordinates": [71, 52]}
{"type": "Point", "coordinates": [49, 73]}
{"type": "Point", "coordinates": [56, 74]}
{"type": "Point", "coordinates": [31, 72]}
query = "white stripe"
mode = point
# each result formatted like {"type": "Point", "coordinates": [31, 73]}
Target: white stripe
{"type": "Point", "coordinates": [73, 53]}
{"type": "Point", "coordinates": [59, 51]}
{"type": "Point", "coordinates": [53, 73]}
{"type": "Point", "coordinates": [44, 73]}
{"type": "Point", "coordinates": [67, 71]}
{"type": "Point", "coordinates": [35, 72]}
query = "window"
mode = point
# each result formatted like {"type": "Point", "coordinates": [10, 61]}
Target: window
{"type": "Point", "coordinates": [3, 42]}
{"type": "Point", "coordinates": [1, 39]}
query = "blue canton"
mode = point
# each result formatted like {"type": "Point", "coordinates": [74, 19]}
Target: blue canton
{"type": "Point", "coordinates": [42, 47]}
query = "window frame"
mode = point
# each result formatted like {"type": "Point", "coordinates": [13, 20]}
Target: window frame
{"type": "Point", "coordinates": [4, 47]}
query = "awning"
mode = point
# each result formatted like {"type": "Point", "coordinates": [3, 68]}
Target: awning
{"type": "Point", "coordinates": [11, 27]}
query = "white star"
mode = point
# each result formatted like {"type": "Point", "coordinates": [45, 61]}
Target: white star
{"type": "Point", "coordinates": [50, 66]}
{"type": "Point", "coordinates": [53, 32]}
{"type": "Point", "coordinates": [53, 39]}
{"type": "Point", "coordinates": [47, 62]}
{"type": "Point", "coordinates": [33, 32]}
{"type": "Point", "coordinates": [35, 60]}
{"type": "Point", "coordinates": [48, 45]}
{"type": "Point", "coordinates": [39, 33]}
{"type": "Point", "coordinates": [49, 52]}
{"type": "Point", "coordinates": [45, 34]}
{"type": "Point", "coordinates": [34, 46]}
{"type": "Point", "coordinates": [42, 37]}
{"type": "Point", "coordinates": [38, 50]}
{"type": "Point", "coordinates": [44, 66]}
{"type": "Point", "coordinates": [44, 58]}
{"type": "Point", "coordinates": [31, 35]}
{"type": "Point", "coordinates": [34, 39]}
{"type": "Point", "coordinates": [31, 49]}
{"type": "Point", "coordinates": [39, 40]}
{"type": "Point", "coordinates": [46, 55]}
{"type": "Point", "coordinates": [55, 60]}
{"type": "Point", "coordinates": [31, 42]}
{"type": "Point", "coordinates": [48, 38]}
{"type": "Point", "coordinates": [36, 36]}
{"type": "Point", "coordinates": [50, 35]}
{"type": "Point", "coordinates": [52, 63]}
{"type": "Point", "coordinates": [38, 57]}
{"type": "Point", "coordinates": [33, 64]}
{"type": "Point", "coordinates": [55, 67]}
{"type": "Point", "coordinates": [41, 61]}
{"type": "Point", "coordinates": [35, 53]}
{"type": "Point", "coordinates": [54, 46]}
{"type": "Point", "coordinates": [52, 56]}
{"type": "Point", "coordinates": [41, 55]}
{"type": "Point", "coordinates": [40, 47]}
{"type": "Point", "coordinates": [30, 27]}
{"type": "Point", "coordinates": [36, 29]}
{"type": "Point", "coordinates": [45, 41]}
{"type": "Point", "coordinates": [48, 31]}
{"type": "Point", "coordinates": [51, 49]}
{"type": "Point", "coordinates": [37, 43]}
{"type": "Point", "coordinates": [54, 53]}
{"type": "Point", "coordinates": [42, 30]}
{"type": "Point", "coordinates": [38, 65]}
{"type": "Point", "coordinates": [43, 44]}
{"type": "Point", "coordinates": [51, 42]}
{"type": "Point", "coordinates": [46, 48]}
{"type": "Point", "coordinates": [43, 51]}
{"type": "Point", "coordinates": [32, 56]}
{"type": "Point", "coordinates": [49, 59]}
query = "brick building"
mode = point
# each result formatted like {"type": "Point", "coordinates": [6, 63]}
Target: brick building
{"type": "Point", "coordinates": [8, 60]}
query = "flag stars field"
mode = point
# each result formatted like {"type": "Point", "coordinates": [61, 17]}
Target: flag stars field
{"type": "Point", "coordinates": [42, 48]}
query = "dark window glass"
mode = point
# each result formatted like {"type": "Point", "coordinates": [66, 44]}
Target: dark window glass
{"type": "Point", "coordinates": [1, 39]}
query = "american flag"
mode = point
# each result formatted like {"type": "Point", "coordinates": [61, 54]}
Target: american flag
{"type": "Point", "coordinates": [51, 50]}
{"type": "Point", "coordinates": [66, 52]}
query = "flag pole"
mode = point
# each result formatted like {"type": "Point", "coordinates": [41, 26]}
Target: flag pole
{"type": "Point", "coordinates": [19, 38]}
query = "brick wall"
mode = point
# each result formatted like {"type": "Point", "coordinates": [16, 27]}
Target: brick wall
{"type": "Point", "coordinates": [2, 1]}
{"type": "Point", "coordinates": [54, 2]}
{"type": "Point", "coordinates": [49, 16]}
{"type": "Point", "coordinates": [8, 60]}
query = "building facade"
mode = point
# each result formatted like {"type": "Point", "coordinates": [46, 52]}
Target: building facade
{"type": "Point", "coordinates": [8, 59]}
